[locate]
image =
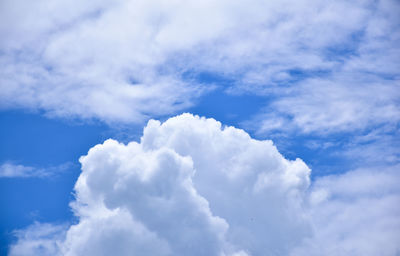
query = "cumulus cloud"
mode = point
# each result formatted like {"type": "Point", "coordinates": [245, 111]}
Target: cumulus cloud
{"type": "Point", "coordinates": [129, 60]}
{"type": "Point", "coordinates": [190, 186]}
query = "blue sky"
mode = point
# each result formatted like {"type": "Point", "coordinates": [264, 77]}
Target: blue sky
{"type": "Point", "coordinates": [289, 144]}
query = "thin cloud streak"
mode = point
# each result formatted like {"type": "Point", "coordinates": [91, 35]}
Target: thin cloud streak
{"type": "Point", "coordinates": [11, 170]}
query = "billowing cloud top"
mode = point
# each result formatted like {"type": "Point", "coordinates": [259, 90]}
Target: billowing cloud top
{"type": "Point", "coordinates": [194, 187]}
{"type": "Point", "coordinates": [190, 187]}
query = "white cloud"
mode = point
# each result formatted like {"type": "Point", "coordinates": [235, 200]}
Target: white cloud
{"type": "Point", "coordinates": [358, 91]}
{"type": "Point", "coordinates": [378, 147]}
{"type": "Point", "coordinates": [340, 105]}
{"type": "Point", "coordinates": [192, 187]}
{"type": "Point", "coordinates": [129, 60]}
{"type": "Point", "coordinates": [38, 239]}
{"type": "Point", "coordinates": [356, 213]}
{"type": "Point", "coordinates": [10, 170]}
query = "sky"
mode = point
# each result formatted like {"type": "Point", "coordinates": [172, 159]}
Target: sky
{"type": "Point", "coordinates": [227, 128]}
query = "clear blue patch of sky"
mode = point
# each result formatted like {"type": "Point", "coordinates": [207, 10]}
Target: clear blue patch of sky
{"type": "Point", "coordinates": [320, 154]}
{"type": "Point", "coordinates": [32, 139]}
{"type": "Point", "coordinates": [230, 109]}
{"type": "Point", "coordinates": [226, 108]}
{"type": "Point", "coordinates": [26, 200]}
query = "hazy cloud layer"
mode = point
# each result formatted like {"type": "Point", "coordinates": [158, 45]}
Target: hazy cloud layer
{"type": "Point", "coordinates": [192, 186]}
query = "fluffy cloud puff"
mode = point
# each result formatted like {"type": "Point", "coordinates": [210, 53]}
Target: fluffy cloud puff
{"type": "Point", "coordinates": [190, 187]}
